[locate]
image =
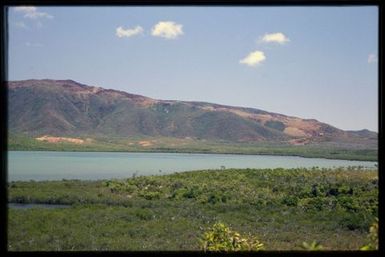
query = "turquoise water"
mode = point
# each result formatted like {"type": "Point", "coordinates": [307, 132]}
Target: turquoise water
{"type": "Point", "coordinates": [36, 165]}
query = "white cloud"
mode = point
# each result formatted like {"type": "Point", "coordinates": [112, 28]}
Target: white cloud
{"type": "Point", "coordinates": [279, 38]}
{"type": "Point", "coordinates": [372, 58]}
{"type": "Point", "coordinates": [121, 32]}
{"type": "Point", "coordinates": [253, 58]}
{"type": "Point", "coordinates": [167, 29]}
{"type": "Point", "coordinates": [31, 12]}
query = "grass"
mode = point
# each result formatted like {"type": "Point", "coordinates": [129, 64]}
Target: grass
{"type": "Point", "coordinates": [282, 207]}
{"type": "Point", "coordinates": [186, 145]}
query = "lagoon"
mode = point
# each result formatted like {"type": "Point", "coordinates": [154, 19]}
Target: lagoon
{"type": "Point", "coordinates": [47, 165]}
{"type": "Point", "coordinates": [53, 165]}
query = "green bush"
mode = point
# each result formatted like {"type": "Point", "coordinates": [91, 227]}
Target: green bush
{"type": "Point", "coordinates": [149, 195]}
{"type": "Point", "coordinates": [290, 200]}
{"type": "Point", "coordinates": [143, 214]}
{"type": "Point", "coordinates": [192, 193]}
{"type": "Point", "coordinates": [214, 198]}
{"type": "Point", "coordinates": [220, 238]}
{"type": "Point", "coordinates": [355, 221]}
{"type": "Point", "coordinates": [313, 204]}
{"type": "Point", "coordinates": [348, 203]}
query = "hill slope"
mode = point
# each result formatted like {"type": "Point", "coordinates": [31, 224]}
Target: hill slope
{"type": "Point", "coordinates": [65, 108]}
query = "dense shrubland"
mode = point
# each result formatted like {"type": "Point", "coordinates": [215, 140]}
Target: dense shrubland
{"type": "Point", "coordinates": [17, 142]}
{"type": "Point", "coordinates": [283, 207]}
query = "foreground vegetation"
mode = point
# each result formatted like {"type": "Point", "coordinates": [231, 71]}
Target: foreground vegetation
{"type": "Point", "coordinates": [279, 209]}
{"type": "Point", "coordinates": [188, 145]}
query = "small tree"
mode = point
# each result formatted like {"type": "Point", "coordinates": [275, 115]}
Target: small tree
{"type": "Point", "coordinates": [220, 238]}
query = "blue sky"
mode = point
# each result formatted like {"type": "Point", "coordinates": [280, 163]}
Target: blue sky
{"type": "Point", "coordinates": [309, 62]}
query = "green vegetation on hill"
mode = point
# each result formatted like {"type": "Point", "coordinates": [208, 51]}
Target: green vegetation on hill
{"type": "Point", "coordinates": [282, 207]}
{"type": "Point", "coordinates": [19, 142]}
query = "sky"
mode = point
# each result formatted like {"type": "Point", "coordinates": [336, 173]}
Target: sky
{"type": "Point", "coordinates": [309, 62]}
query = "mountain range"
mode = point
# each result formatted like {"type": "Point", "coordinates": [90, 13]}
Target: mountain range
{"type": "Point", "coordinates": [65, 108]}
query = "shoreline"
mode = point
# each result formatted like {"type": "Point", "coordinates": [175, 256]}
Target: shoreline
{"type": "Point", "coordinates": [200, 152]}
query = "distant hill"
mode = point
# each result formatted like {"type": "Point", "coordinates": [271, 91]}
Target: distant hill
{"type": "Point", "coordinates": [67, 108]}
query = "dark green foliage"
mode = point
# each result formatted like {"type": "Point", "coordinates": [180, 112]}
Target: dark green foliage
{"type": "Point", "coordinates": [168, 212]}
{"type": "Point", "coordinates": [356, 221]}
{"type": "Point", "coordinates": [290, 200]}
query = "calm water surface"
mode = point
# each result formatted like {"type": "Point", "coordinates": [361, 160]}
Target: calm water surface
{"type": "Point", "coordinates": [35, 165]}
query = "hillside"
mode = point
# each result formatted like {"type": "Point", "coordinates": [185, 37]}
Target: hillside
{"type": "Point", "coordinates": [67, 109]}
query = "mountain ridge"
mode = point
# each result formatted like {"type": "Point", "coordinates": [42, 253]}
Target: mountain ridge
{"type": "Point", "coordinates": [98, 89]}
{"type": "Point", "coordinates": [69, 108]}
